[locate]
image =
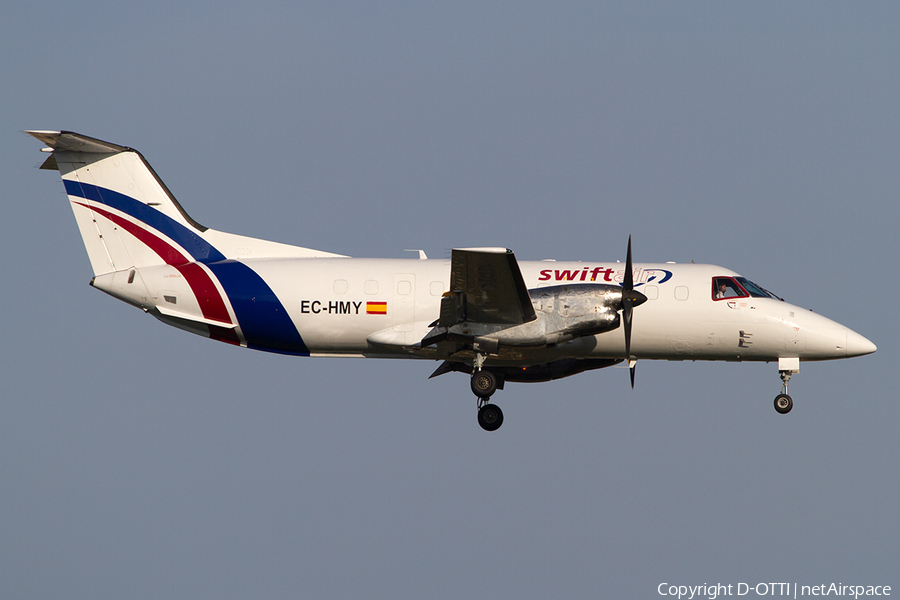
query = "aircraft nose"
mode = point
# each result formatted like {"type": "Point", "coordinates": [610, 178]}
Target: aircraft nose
{"type": "Point", "coordinates": [857, 345]}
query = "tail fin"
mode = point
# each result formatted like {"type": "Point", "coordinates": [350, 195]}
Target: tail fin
{"type": "Point", "coordinates": [127, 216]}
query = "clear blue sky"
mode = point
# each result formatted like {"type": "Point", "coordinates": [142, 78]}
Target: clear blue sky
{"type": "Point", "coordinates": [137, 461]}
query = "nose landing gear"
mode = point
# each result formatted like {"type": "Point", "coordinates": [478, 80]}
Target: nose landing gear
{"type": "Point", "coordinates": [783, 402]}
{"type": "Point", "coordinates": [786, 367]}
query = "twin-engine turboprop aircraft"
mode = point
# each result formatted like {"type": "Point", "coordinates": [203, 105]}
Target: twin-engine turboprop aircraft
{"type": "Point", "coordinates": [482, 312]}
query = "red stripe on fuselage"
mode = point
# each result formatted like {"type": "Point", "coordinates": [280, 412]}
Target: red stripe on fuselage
{"type": "Point", "coordinates": [224, 334]}
{"type": "Point", "coordinates": [205, 290]}
{"type": "Point", "coordinates": [211, 303]}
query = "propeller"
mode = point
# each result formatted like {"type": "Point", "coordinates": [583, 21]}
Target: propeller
{"type": "Point", "coordinates": [630, 299]}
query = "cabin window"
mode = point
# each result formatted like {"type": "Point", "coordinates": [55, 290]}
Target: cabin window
{"type": "Point", "coordinates": [437, 288]}
{"type": "Point", "coordinates": [724, 288]}
{"type": "Point", "coordinates": [340, 286]}
{"type": "Point", "coordinates": [371, 287]}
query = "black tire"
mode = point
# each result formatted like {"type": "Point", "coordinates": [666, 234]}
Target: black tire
{"type": "Point", "coordinates": [484, 384]}
{"type": "Point", "coordinates": [490, 417]}
{"type": "Point", "coordinates": [783, 403]}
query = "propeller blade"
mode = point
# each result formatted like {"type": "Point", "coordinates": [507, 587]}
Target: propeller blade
{"type": "Point", "coordinates": [628, 300]}
{"type": "Point", "coordinates": [629, 271]}
{"type": "Point", "coordinates": [626, 321]}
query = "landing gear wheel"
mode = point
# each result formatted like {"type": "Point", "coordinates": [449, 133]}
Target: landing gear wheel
{"type": "Point", "coordinates": [484, 384]}
{"type": "Point", "coordinates": [490, 417]}
{"type": "Point", "coordinates": [783, 403]}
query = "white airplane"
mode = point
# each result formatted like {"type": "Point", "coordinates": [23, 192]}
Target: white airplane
{"type": "Point", "coordinates": [482, 312]}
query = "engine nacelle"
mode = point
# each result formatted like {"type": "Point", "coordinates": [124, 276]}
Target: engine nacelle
{"type": "Point", "coordinates": [565, 312]}
{"type": "Point", "coordinates": [562, 313]}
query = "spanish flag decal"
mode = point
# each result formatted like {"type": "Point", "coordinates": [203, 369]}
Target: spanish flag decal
{"type": "Point", "coordinates": [376, 308]}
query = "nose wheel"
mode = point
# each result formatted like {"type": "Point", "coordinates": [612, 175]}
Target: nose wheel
{"type": "Point", "coordinates": [783, 402]}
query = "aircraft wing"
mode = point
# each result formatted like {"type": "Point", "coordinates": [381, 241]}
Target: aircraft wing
{"type": "Point", "coordinates": [492, 286]}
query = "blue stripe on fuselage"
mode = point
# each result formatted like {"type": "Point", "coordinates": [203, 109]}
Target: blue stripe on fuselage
{"type": "Point", "coordinates": [196, 246]}
{"type": "Point", "coordinates": [264, 321]}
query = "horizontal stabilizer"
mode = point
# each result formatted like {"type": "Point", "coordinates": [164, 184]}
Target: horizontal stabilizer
{"type": "Point", "coordinates": [69, 141]}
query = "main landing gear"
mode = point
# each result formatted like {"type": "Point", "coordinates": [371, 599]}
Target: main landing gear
{"type": "Point", "coordinates": [484, 384]}
{"type": "Point", "coordinates": [490, 417]}
{"type": "Point", "coordinates": [783, 402]}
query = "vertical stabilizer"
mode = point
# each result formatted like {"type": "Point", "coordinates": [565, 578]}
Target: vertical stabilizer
{"type": "Point", "coordinates": [129, 219]}
{"type": "Point", "coordinates": [120, 204]}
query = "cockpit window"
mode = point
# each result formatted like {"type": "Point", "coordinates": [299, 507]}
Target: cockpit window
{"type": "Point", "coordinates": [727, 287]}
{"type": "Point", "coordinates": [756, 291]}
{"type": "Point", "coordinates": [738, 287]}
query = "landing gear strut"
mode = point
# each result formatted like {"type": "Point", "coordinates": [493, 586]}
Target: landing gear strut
{"type": "Point", "coordinates": [783, 402]}
{"type": "Point", "coordinates": [484, 384]}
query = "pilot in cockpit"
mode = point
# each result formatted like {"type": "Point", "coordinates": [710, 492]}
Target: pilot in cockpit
{"type": "Point", "coordinates": [725, 287]}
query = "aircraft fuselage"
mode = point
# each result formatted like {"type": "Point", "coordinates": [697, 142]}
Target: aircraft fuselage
{"type": "Point", "coordinates": [383, 307]}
